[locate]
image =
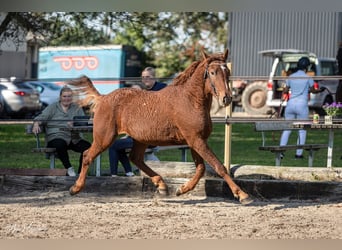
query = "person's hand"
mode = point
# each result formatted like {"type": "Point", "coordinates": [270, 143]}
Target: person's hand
{"type": "Point", "coordinates": [36, 128]}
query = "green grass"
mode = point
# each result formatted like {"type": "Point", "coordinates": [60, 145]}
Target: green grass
{"type": "Point", "coordinates": [245, 143]}
{"type": "Point", "coordinates": [16, 145]}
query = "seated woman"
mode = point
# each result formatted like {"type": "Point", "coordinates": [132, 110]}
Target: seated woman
{"type": "Point", "coordinates": [59, 115]}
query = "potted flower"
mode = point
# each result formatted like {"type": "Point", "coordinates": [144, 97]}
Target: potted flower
{"type": "Point", "coordinates": [333, 110]}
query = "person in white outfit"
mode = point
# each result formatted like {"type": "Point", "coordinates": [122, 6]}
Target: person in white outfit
{"type": "Point", "coordinates": [297, 106]}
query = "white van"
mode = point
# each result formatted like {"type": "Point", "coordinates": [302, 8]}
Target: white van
{"type": "Point", "coordinates": [285, 62]}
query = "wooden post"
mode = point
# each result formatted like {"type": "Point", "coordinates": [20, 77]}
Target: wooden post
{"type": "Point", "coordinates": [228, 131]}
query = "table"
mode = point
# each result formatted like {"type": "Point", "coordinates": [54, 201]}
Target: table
{"type": "Point", "coordinates": [87, 129]}
{"type": "Point", "coordinates": [321, 126]}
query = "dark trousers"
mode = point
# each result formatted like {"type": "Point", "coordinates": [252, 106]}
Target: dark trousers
{"type": "Point", "coordinates": [62, 150]}
{"type": "Point", "coordinates": [117, 153]}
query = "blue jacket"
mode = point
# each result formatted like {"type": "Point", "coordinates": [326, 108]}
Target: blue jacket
{"type": "Point", "coordinates": [158, 86]}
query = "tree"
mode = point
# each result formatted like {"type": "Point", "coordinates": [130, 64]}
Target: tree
{"type": "Point", "coordinates": [15, 26]}
{"type": "Point", "coordinates": [57, 28]}
{"type": "Point", "coordinates": [170, 41]}
{"type": "Point", "coordinates": [84, 28]}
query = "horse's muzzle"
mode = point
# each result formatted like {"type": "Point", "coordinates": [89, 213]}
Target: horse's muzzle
{"type": "Point", "coordinates": [227, 100]}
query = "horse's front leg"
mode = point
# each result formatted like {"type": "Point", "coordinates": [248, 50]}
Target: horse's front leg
{"type": "Point", "coordinates": [200, 170]}
{"type": "Point", "coordinates": [80, 182]}
{"type": "Point", "coordinates": [203, 150]}
{"type": "Point", "coordinates": [88, 157]}
{"type": "Point", "coordinates": [137, 157]}
{"type": "Point", "coordinates": [100, 143]}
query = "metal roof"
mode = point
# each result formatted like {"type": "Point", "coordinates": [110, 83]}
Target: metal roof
{"type": "Point", "coordinates": [253, 32]}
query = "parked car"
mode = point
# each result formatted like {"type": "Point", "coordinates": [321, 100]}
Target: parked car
{"type": "Point", "coordinates": [2, 105]}
{"type": "Point", "coordinates": [285, 62]}
{"type": "Point", "coordinates": [48, 92]}
{"type": "Point", "coordinates": [19, 100]}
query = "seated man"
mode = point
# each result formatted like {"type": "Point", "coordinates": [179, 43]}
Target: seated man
{"type": "Point", "coordinates": [117, 149]}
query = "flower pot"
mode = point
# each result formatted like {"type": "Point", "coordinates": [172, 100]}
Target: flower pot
{"type": "Point", "coordinates": [328, 119]}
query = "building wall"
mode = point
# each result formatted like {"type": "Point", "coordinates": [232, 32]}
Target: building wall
{"type": "Point", "coordinates": [12, 64]}
{"type": "Point", "coordinates": [250, 32]}
{"type": "Point", "coordinates": [12, 57]}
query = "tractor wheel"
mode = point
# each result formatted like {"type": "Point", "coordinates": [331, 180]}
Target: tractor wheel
{"type": "Point", "coordinates": [254, 98]}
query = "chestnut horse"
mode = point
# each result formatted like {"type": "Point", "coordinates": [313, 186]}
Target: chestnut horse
{"type": "Point", "coordinates": [177, 114]}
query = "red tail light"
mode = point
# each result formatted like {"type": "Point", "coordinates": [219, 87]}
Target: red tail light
{"type": "Point", "coordinates": [285, 96]}
{"type": "Point", "coordinates": [316, 85]}
{"type": "Point", "coordinates": [21, 93]}
{"type": "Point", "coordinates": [269, 85]}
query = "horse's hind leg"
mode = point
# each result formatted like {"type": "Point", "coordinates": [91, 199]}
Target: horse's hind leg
{"type": "Point", "coordinates": [137, 157]}
{"type": "Point", "coordinates": [200, 170]}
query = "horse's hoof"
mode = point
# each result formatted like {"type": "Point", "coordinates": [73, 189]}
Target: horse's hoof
{"type": "Point", "coordinates": [179, 192]}
{"type": "Point", "coordinates": [72, 191]}
{"type": "Point", "coordinates": [246, 201]}
{"type": "Point", "coordinates": [163, 192]}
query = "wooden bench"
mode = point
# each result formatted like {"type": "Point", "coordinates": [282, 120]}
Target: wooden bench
{"type": "Point", "coordinates": [182, 148]}
{"type": "Point", "coordinates": [149, 152]}
{"type": "Point", "coordinates": [263, 127]}
{"type": "Point", "coordinates": [50, 153]}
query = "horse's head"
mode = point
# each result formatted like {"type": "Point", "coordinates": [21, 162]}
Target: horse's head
{"type": "Point", "coordinates": [216, 77]}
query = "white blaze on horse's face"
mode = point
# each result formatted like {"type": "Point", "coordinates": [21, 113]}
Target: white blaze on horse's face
{"type": "Point", "coordinates": [219, 81]}
{"type": "Point", "coordinates": [227, 99]}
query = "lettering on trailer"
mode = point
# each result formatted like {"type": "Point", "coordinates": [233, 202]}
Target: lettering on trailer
{"type": "Point", "coordinates": [77, 62]}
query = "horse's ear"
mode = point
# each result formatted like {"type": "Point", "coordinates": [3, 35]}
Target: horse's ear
{"type": "Point", "coordinates": [205, 56]}
{"type": "Point", "coordinates": [225, 55]}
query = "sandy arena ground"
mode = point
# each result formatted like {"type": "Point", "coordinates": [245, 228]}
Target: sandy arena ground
{"type": "Point", "coordinates": [57, 215]}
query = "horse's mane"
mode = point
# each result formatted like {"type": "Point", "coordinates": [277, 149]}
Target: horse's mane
{"type": "Point", "coordinates": [185, 75]}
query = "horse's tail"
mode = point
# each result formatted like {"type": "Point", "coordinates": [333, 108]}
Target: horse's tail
{"type": "Point", "coordinates": [85, 90]}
